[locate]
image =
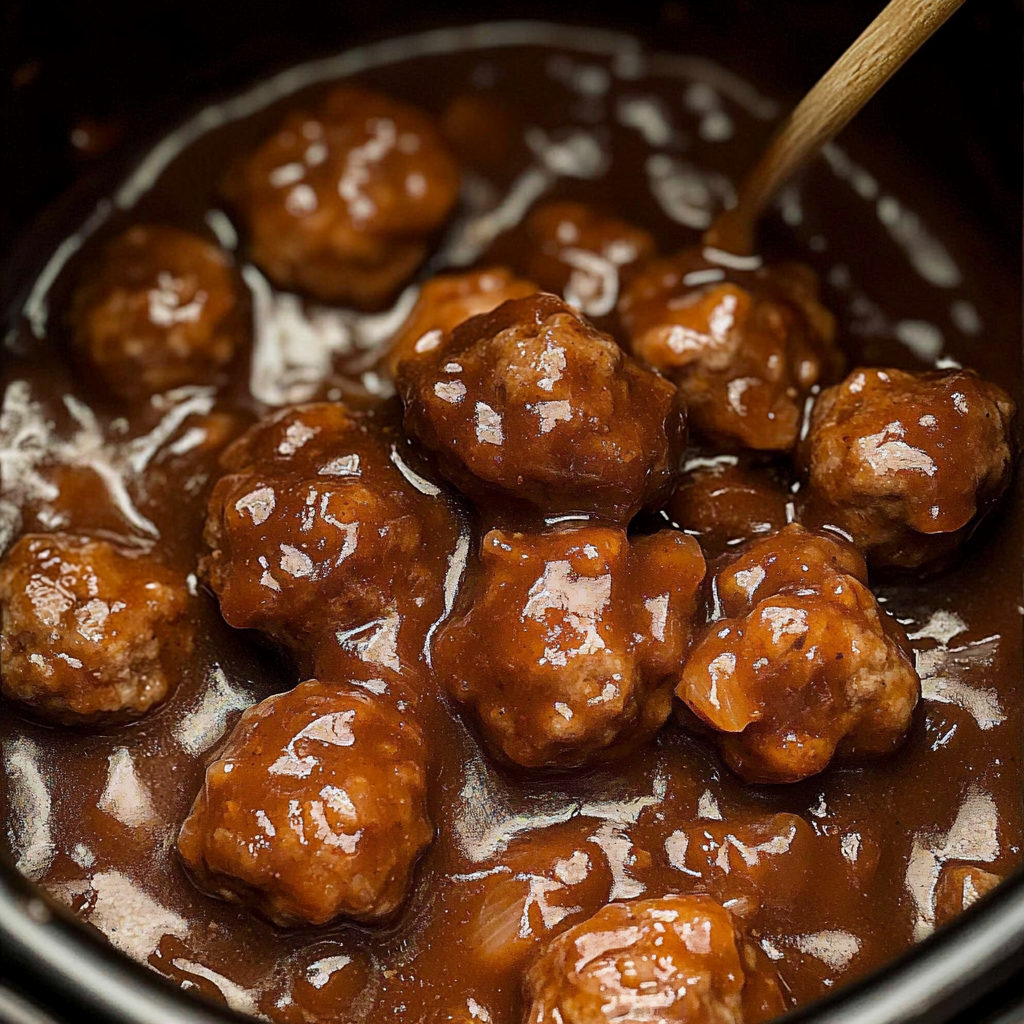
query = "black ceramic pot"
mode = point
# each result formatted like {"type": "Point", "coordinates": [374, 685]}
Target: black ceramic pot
{"type": "Point", "coordinates": [118, 74]}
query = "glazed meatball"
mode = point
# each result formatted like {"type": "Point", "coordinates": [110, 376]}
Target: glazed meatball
{"type": "Point", "coordinates": [317, 537]}
{"type": "Point", "coordinates": [794, 557]}
{"type": "Point", "coordinates": [804, 665]}
{"type": "Point", "coordinates": [568, 640]}
{"type": "Point", "coordinates": [445, 302]}
{"type": "Point", "coordinates": [91, 631]}
{"type": "Point", "coordinates": [726, 501]}
{"type": "Point", "coordinates": [341, 200]}
{"type": "Point", "coordinates": [530, 402]}
{"type": "Point", "coordinates": [677, 958]}
{"type": "Point", "coordinates": [159, 310]}
{"type": "Point", "coordinates": [745, 347]}
{"type": "Point", "coordinates": [959, 886]}
{"type": "Point", "coordinates": [314, 809]}
{"type": "Point", "coordinates": [574, 251]}
{"type": "Point", "coordinates": [907, 463]}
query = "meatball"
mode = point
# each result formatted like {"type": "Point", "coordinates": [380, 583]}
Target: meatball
{"type": "Point", "coordinates": [726, 501]}
{"type": "Point", "coordinates": [804, 666]}
{"type": "Point", "coordinates": [568, 641]}
{"type": "Point", "coordinates": [341, 200]}
{"type": "Point", "coordinates": [793, 557]}
{"type": "Point", "coordinates": [159, 310]}
{"type": "Point", "coordinates": [574, 251]}
{"type": "Point", "coordinates": [91, 631]}
{"type": "Point", "coordinates": [677, 958]}
{"type": "Point", "coordinates": [907, 463]}
{"type": "Point", "coordinates": [445, 302]}
{"type": "Point", "coordinates": [530, 402]}
{"type": "Point", "coordinates": [959, 886]}
{"type": "Point", "coordinates": [318, 537]}
{"type": "Point", "coordinates": [745, 347]}
{"type": "Point", "coordinates": [314, 809]}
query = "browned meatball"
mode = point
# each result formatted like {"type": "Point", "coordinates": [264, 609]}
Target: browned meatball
{"type": "Point", "coordinates": [341, 200]}
{"type": "Point", "coordinates": [159, 310]}
{"type": "Point", "coordinates": [315, 809]}
{"type": "Point", "coordinates": [728, 500]}
{"type": "Point", "coordinates": [531, 402]}
{"type": "Point", "coordinates": [91, 631]}
{"type": "Point", "coordinates": [959, 886]}
{"type": "Point", "coordinates": [794, 557]}
{"type": "Point", "coordinates": [568, 640]}
{"type": "Point", "coordinates": [804, 666]}
{"type": "Point", "coordinates": [745, 347]}
{"type": "Point", "coordinates": [576, 252]}
{"type": "Point", "coordinates": [907, 463]}
{"type": "Point", "coordinates": [316, 536]}
{"type": "Point", "coordinates": [677, 958]}
{"type": "Point", "coordinates": [445, 302]}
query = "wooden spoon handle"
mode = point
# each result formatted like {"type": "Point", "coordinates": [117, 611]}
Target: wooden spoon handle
{"type": "Point", "coordinates": [877, 54]}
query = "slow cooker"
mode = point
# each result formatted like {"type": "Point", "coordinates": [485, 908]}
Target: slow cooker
{"type": "Point", "coordinates": [87, 86]}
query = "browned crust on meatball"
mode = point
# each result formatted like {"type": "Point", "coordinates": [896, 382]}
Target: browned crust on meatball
{"type": "Point", "coordinates": [445, 302]}
{"type": "Point", "coordinates": [802, 666]}
{"type": "Point", "coordinates": [161, 309]}
{"type": "Point", "coordinates": [745, 347]}
{"type": "Point", "coordinates": [568, 641]}
{"type": "Point", "coordinates": [315, 808]}
{"type": "Point", "coordinates": [677, 958]}
{"type": "Point", "coordinates": [91, 631]}
{"type": "Point", "coordinates": [317, 538]}
{"type": "Point", "coordinates": [342, 200]}
{"type": "Point", "coordinates": [907, 463]}
{"type": "Point", "coordinates": [532, 403]}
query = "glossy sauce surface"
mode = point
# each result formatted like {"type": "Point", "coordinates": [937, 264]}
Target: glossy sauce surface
{"type": "Point", "coordinates": [832, 876]}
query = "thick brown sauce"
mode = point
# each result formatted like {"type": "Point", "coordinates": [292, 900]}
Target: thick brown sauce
{"type": "Point", "coordinates": [93, 815]}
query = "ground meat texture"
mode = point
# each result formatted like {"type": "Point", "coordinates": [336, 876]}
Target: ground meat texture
{"type": "Point", "coordinates": [317, 537]}
{"type": "Point", "coordinates": [907, 463]}
{"type": "Point", "coordinates": [805, 665]}
{"type": "Point", "coordinates": [445, 302]}
{"type": "Point", "coordinates": [91, 631]}
{"type": "Point", "coordinates": [567, 642]}
{"type": "Point", "coordinates": [577, 252]}
{"type": "Point", "coordinates": [341, 200]}
{"type": "Point", "coordinates": [745, 347]}
{"type": "Point", "coordinates": [726, 501]}
{"type": "Point", "coordinates": [160, 309]}
{"type": "Point", "coordinates": [532, 403]}
{"type": "Point", "coordinates": [677, 958]}
{"type": "Point", "coordinates": [315, 809]}
{"type": "Point", "coordinates": [959, 886]}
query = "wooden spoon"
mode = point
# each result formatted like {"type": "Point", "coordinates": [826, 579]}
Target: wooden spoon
{"type": "Point", "coordinates": [860, 72]}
